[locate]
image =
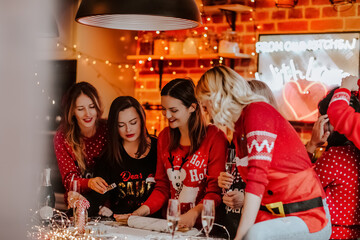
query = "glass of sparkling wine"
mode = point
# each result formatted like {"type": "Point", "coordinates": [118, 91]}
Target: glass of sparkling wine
{"type": "Point", "coordinates": [208, 216]}
{"type": "Point", "coordinates": [173, 216]}
{"type": "Point", "coordinates": [230, 160]}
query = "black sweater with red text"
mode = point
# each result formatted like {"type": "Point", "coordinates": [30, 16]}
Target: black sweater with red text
{"type": "Point", "coordinates": [134, 181]}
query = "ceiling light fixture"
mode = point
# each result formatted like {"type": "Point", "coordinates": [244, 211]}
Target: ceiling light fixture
{"type": "Point", "coordinates": [141, 15]}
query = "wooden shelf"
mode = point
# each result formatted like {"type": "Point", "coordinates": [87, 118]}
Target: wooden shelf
{"type": "Point", "coordinates": [189, 56]}
{"type": "Point", "coordinates": [229, 7]}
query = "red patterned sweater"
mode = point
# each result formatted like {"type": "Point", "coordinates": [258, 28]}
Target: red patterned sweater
{"type": "Point", "coordinates": [66, 159]}
{"type": "Point", "coordinates": [189, 178]}
{"type": "Point", "coordinates": [343, 117]}
{"type": "Point", "coordinates": [272, 143]}
{"type": "Point", "coordinates": [273, 162]}
{"type": "Point", "coordinates": [339, 172]}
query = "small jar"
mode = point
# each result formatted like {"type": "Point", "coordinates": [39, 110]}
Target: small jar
{"type": "Point", "coordinates": [161, 45]}
{"type": "Point", "coordinates": [229, 42]}
{"type": "Point", "coordinates": [146, 44]}
{"type": "Point", "coordinates": [191, 43]}
{"type": "Point", "coordinates": [175, 46]}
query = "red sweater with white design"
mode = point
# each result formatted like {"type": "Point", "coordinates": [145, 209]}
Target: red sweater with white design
{"type": "Point", "coordinates": [339, 172]}
{"type": "Point", "coordinates": [343, 117]}
{"type": "Point", "coordinates": [67, 163]}
{"type": "Point", "coordinates": [271, 143]}
{"type": "Point", "coordinates": [189, 178]}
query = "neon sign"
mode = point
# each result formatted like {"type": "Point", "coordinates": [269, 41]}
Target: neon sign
{"type": "Point", "coordinates": [301, 46]}
{"type": "Point", "coordinates": [301, 68]}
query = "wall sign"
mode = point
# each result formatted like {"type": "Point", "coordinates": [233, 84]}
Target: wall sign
{"type": "Point", "coordinates": [301, 68]}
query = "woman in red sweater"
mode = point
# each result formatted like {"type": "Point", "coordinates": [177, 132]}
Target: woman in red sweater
{"type": "Point", "coordinates": [191, 155]}
{"type": "Point", "coordinates": [343, 117]}
{"type": "Point", "coordinates": [80, 138]}
{"type": "Point", "coordinates": [283, 195]}
{"type": "Point", "coordinates": [339, 172]}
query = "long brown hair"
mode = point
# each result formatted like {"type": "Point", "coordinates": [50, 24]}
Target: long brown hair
{"type": "Point", "coordinates": [69, 124]}
{"type": "Point", "coordinates": [115, 148]}
{"type": "Point", "coordinates": [184, 90]}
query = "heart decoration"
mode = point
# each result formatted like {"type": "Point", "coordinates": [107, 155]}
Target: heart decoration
{"type": "Point", "coordinates": [302, 97]}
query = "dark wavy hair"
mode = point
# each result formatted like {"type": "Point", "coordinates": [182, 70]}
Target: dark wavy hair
{"type": "Point", "coordinates": [69, 124]}
{"type": "Point", "coordinates": [184, 90]}
{"type": "Point", "coordinates": [115, 148]}
{"type": "Point", "coordinates": [335, 138]}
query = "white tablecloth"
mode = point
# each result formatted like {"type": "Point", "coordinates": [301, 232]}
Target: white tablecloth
{"type": "Point", "coordinates": [112, 230]}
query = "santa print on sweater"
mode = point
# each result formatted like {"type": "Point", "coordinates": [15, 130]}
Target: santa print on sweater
{"type": "Point", "coordinates": [189, 177]}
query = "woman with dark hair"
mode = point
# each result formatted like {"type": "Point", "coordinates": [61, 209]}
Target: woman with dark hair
{"type": "Point", "coordinates": [343, 117]}
{"type": "Point", "coordinates": [129, 160]}
{"type": "Point", "coordinates": [190, 155]}
{"type": "Point", "coordinates": [339, 172]}
{"type": "Point", "coordinates": [80, 138]}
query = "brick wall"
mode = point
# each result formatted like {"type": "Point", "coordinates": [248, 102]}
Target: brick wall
{"type": "Point", "coordinates": [309, 16]}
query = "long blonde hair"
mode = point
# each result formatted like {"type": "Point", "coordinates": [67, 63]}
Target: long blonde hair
{"type": "Point", "coordinates": [69, 124]}
{"type": "Point", "coordinates": [261, 88]}
{"type": "Point", "coordinates": [228, 92]}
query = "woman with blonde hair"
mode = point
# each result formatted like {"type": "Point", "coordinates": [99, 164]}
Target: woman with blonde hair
{"type": "Point", "coordinates": [283, 195]}
{"type": "Point", "coordinates": [80, 138]}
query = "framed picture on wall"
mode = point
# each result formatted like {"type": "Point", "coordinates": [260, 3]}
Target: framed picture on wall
{"type": "Point", "coordinates": [301, 68]}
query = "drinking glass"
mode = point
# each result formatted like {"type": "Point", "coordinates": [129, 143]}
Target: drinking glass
{"type": "Point", "coordinates": [75, 187]}
{"type": "Point", "coordinates": [173, 216]}
{"type": "Point", "coordinates": [208, 216]}
{"type": "Point", "coordinates": [230, 160]}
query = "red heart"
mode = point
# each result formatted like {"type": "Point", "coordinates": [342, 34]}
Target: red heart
{"type": "Point", "coordinates": [302, 98]}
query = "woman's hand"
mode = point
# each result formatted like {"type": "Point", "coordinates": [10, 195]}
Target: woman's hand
{"type": "Point", "coordinates": [144, 210]}
{"type": "Point", "coordinates": [122, 217]}
{"type": "Point", "coordinates": [73, 197]}
{"type": "Point", "coordinates": [98, 184]}
{"type": "Point", "coordinates": [225, 180]}
{"type": "Point", "coordinates": [319, 134]}
{"type": "Point", "coordinates": [188, 219]}
{"type": "Point", "coordinates": [350, 82]}
{"type": "Point", "coordinates": [106, 212]}
{"type": "Point", "coordinates": [234, 199]}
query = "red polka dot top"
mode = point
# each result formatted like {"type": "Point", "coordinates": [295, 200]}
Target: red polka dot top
{"type": "Point", "coordinates": [339, 172]}
{"type": "Point", "coordinates": [67, 163]}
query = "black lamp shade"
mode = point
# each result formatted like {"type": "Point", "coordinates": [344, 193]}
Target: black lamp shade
{"type": "Point", "coordinates": [146, 15]}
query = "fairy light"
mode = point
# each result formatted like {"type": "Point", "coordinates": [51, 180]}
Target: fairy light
{"type": "Point", "coordinates": [174, 73]}
{"type": "Point", "coordinates": [170, 63]}
{"type": "Point", "coordinates": [94, 62]}
{"type": "Point", "coordinates": [201, 66]}
{"type": "Point", "coordinates": [157, 32]}
{"type": "Point", "coordinates": [161, 57]}
{"type": "Point", "coordinates": [136, 38]}
{"type": "Point", "coordinates": [206, 28]}
{"type": "Point", "coordinates": [208, 19]}
{"type": "Point", "coordinates": [107, 62]}
{"type": "Point", "coordinates": [149, 59]}
{"type": "Point", "coordinates": [87, 59]}
{"type": "Point", "coordinates": [119, 66]}
{"type": "Point", "coordinates": [142, 86]}
{"type": "Point", "coordinates": [58, 45]}
{"type": "Point", "coordinates": [65, 49]}
{"type": "Point", "coordinates": [127, 66]}
{"type": "Point", "coordinates": [253, 53]}
{"type": "Point", "coordinates": [74, 46]}
{"type": "Point", "coordinates": [151, 69]}
{"type": "Point", "coordinates": [36, 74]}
{"type": "Point", "coordinates": [78, 56]}
{"type": "Point", "coordinates": [141, 61]}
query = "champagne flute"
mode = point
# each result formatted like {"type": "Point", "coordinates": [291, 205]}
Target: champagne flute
{"type": "Point", "coordinates": [230, 160]}
{"type": "Point", "coordinates": [208, 216]}
{"type": "Point", "coordinates": [173, 216]}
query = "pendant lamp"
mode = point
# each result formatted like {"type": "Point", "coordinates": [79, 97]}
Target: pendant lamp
{"type": "Point", "coordinates": [145, 15]}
